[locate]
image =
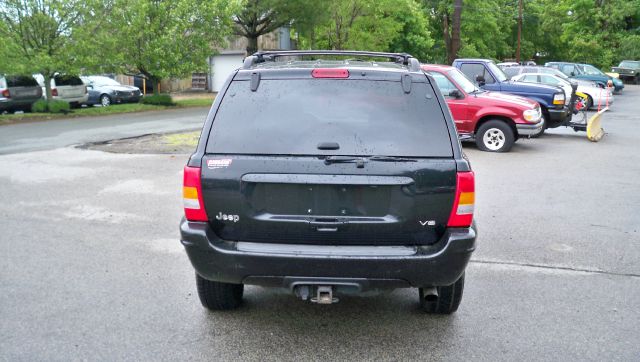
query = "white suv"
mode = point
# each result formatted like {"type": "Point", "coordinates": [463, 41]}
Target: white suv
{"type": "Point", "coordinates": [68, 88]}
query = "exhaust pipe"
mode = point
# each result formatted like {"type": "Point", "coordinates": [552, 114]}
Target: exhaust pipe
{"type": "Point", "coordinates": [430, 295]}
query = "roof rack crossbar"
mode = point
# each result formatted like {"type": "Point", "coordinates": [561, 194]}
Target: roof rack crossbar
{"type": "Point", "coordinates": [260, 57]}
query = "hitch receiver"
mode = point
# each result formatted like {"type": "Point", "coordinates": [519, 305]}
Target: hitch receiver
{"type": "Point", "coordinates": [324, 295]}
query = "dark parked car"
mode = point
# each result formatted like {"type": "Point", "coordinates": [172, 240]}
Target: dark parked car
{"type": "Point", "coordinates": [587, 72]}
{"type": "Point", "coordinates": [18, 92]}
{"type": "Point", "coordinates": [105, 91]}
{"type": "Point", "coordinates": [363, 187]}
{"type": "Point", "coordinates": [628, 70]}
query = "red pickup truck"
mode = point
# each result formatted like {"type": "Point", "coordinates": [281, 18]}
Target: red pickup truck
{"type": "Point", "coordinates": [495, 120]}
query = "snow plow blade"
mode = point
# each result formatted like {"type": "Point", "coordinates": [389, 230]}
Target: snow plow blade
{"type": "Point", "coordinates": [594, 130]}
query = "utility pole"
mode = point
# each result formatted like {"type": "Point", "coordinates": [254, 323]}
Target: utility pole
{"type": "Point", "coordinates": [519, 30]}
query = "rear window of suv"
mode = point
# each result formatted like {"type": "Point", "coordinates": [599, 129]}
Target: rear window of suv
{"type": "Point", "coordinates": [21, 81]}
{"type": "Point", "coordinates": [291, 117]}
{"type": "Point", "coordinates": [62, 80]}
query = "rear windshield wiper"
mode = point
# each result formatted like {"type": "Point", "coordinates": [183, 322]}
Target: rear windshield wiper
{"type": "Point", "coordinates": [391, 159]}
{"type": "Point", "coordinates": [360, 161]}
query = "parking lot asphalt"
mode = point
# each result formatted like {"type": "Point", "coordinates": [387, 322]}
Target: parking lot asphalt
{"type": "Point", "coordinates": [92, 268]}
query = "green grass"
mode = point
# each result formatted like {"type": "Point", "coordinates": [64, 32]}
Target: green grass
{"type": "Point", "coordinates": [189, 139]}
{"type": "Point", "coordinates": [103, 111]}
{"type": "Point", "coordinates": [195, 102]}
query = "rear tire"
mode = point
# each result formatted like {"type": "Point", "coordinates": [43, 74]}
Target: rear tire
{"type": "Point", "coordinates": [448, 301]}
{"type": "Point", "coordinates": [495, 136]}
{"type": "Point", "coordinates": [219, 296]}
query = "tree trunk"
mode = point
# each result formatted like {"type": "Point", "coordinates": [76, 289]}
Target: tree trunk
{"type": "Point", "coordinates": [252, 44]}
{"type": "Point", "coordinates": [455, 30]}
{"type": "Point", "coordinates": [47, 89]}
{"type": "Point", "coordinates": [446, 33]}
{"type": "Point", "coordinates": [155, 83]}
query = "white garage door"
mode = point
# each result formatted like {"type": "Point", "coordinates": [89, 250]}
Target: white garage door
{"type": "Point", "coordinates": [223, 65]}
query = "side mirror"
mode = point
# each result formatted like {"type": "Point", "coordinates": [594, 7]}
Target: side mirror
{"type": "Point", "coordinates": [572, 74]}
{"type": "Point", "coordinates": [455, 94]}
{"type": "Point", "coordinates": [480, 80]}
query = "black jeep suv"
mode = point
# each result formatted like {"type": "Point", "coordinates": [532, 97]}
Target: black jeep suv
{"type": "Point", "coordinates": [326, 173]}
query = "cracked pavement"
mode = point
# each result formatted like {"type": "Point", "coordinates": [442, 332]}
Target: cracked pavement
{"type": "Point", "coordinates": [91, 267]}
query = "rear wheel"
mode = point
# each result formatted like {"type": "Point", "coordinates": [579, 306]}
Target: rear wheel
{"type": "Point", "coordinates": [495, 136]}
{"type": "Point", "coordinates": [219, 296]}
{"type": "Point", "coordinates": [447, 301]}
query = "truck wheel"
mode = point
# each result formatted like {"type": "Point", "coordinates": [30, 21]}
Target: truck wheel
{"type": "Point", "coordinates": [495, 136]}
{"type": "Point", "coordinates": [219, 296]}
{"type": "Point", "coordinates": [447, 301]}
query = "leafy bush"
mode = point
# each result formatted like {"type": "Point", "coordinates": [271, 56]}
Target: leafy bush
{"type": "Point", "coordinates": [159, 100]}
{"type": "Point", "coordinates": [55, 106]}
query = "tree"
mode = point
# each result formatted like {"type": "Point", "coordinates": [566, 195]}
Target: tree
{"type": "Point", "coordinates": [49, 36]}
{"type": "Point", "coordinates": [166, 38]}
{"type": "Point", "coordinates": [384, 25]}
{"type": "Point", "coordinates": [447, 22]}
{"type": "Point", "coordinates": [414, 37]}
{"type": "Point", "coordinates": [259, 17]}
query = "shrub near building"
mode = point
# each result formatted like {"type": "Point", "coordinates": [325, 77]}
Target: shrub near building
{"type": "Point", "coordinates": [55, 106]}
{"type": "Point", "coordinates": [159, 100]}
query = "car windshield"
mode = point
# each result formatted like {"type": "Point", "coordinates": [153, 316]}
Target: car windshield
{"type": "Point", "coordinates": [103, 81]}
{"type": "Point", "coordinates": [591, 70]}
{"type": "Point", "coordinates": [462, 81]}
{"type": "Point", "coordinates": [499, 74]}
{"type": "Point", "coordinates": [292, 117]}
{"type": "Point", "coordinates": [630, 64]}
{"type": "Point", "coordinates": [553, 71]}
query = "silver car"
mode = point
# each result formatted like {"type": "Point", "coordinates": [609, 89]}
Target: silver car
{"type": "Point", "coordinates": [596, 94]}
{"type": "Point", "coordinates": [68, 88]}
{"type": "Point", "coordinates": [18, 93]}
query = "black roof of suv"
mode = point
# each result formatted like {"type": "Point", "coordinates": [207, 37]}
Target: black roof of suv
{"type": "Point", "coordinates": [301, 158]}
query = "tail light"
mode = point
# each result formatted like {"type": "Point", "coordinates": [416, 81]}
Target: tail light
{"type": "Point", "coordinates": [6, 93]}
{"type": "Point", "coordinates": [54, 92]}
{"type": "Point", "coordinates": [462, 212]}
{"type": "Point", "coordinates": [192, 195]}
{"type": "Point", "coordinates": [330, 73]}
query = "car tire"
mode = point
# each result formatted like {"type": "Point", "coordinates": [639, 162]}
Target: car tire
{"type": "Point", "coordinates": [448, 300]}
{"type": "Point", "coordinates": [219, 296]}
{"type": "Point", "coordinates": [589, 102]}
{"type": "Point", "coordinates": [495, 136]}
{"type": "Point", "coordinates": [105, 100]}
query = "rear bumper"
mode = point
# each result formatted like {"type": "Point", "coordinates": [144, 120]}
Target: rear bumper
{"type": "Point", "coordinates": [10, 104]}
{"type": "Point", "coordinates": [285, 265]}
{"type": "Point", "coordinates": [81, 100]}
{"type": "Point", "coordinates": [528, 129]}
{"type": "Point", "coordinates": [602, 100]}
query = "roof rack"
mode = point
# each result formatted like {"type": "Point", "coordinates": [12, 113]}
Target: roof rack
{"type": "Point", "coordinates": [260, 57]}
